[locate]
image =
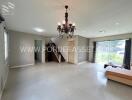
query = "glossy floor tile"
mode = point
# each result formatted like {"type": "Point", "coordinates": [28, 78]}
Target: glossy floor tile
{"type": "Point", "coordinates": [53, 81]}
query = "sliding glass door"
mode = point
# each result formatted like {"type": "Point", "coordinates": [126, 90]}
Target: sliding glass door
{"type": "Point", "coordinates": [110, 52]}
{"type": "Point", "coordinates": [102, 51]}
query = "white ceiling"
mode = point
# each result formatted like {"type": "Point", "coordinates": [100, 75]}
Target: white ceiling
{"type": "Point", "coordinates": [94, 18]}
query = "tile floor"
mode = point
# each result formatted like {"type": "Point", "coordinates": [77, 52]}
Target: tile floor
{"type": "Point", "coordinates": [53, 81]}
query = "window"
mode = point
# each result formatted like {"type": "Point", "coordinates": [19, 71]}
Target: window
{"type": "Point", "coordinates": [6, 45]}
{"type": "Point", "coordinates": [110, 52]}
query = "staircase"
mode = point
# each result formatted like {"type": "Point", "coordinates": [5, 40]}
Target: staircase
{"type": "Point", "coordinates": [53, 53]}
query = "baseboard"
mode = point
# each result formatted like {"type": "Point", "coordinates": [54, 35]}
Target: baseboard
{"type": "Point", "coordinates": [20, 66]}
{"type": "Point", "coordinates": [82, 62]}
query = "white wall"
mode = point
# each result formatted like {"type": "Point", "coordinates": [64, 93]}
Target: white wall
{"type": "Point", "coordinates": [3, 65]}
{"type": "Point", "coordinates": [83, 45]}
{"type": "Point", "coordinates": [47, 39]}
{"type": "Point", "coordinates": [114, 37]}
{"type": "Point", "coordinates": [18, 40]}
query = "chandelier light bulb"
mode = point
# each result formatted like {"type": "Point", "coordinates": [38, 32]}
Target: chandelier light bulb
{"type": "Point", "coordinates": [74, 24]}
{"type": "Point", "coordinates": [59, 23]}
{"type": "Point", "coordinates": [63, 22]}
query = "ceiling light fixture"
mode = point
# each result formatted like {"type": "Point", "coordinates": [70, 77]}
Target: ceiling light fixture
{"type": "Point", "coordinates": [66, 27]}
{"type": "Point", "coordinates": [39, 30]}
{"type": "Point", "coordinates": [102, 31]}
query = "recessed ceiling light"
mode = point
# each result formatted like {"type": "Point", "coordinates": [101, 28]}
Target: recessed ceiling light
{"type": "Point", "coordinates": [117, 23]}
{"type": "Point", "coordinates": [39, 29]}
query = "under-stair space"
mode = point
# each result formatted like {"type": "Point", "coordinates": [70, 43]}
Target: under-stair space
{"type": "Point", "coordinates": [53, 54]}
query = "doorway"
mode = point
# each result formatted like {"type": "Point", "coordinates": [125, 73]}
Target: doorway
{"type": "Point", "coordinates": [38, 51]}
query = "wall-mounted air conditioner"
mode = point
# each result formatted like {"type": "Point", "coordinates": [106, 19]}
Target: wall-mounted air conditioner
{"type": "Point", "coordinates": [1, 18]}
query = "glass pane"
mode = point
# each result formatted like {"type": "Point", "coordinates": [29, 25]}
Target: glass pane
{"type": "Point", "coordinates": [110, 52]}
{"type": "Point", "coordinates": [116, 53]}
{"type": "Point", "coordinates": [102, 52]}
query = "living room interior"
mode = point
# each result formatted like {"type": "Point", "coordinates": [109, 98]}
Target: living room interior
{"type": "Point", "coordinates": [65, 49]}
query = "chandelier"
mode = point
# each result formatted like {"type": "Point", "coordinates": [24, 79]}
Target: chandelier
{"type": "Point", "coordinates": [66, 27]}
